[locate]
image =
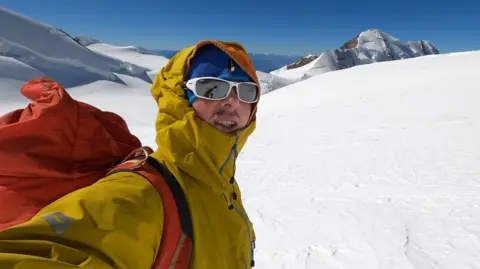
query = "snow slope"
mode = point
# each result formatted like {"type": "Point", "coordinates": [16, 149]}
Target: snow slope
{"type": "Point", "coordinates": [270, 82]}
{"type": "Point", "coordinates": [86, 40]}
{"type": "Point", "coordinates": [368, 47]}
{"type": "Point", "coordinates": [13, 75]}
{"type": "Point", "coordinates": [54, 53]}
{"type": "Point", "coordinates": [132, 54]}
{"type": "Point", "coordinates": [349, 170]}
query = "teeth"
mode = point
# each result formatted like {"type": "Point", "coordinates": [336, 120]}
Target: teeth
{"type": "Point", "coordinates": [226, 123]}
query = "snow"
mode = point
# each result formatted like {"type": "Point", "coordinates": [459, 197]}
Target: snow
{"type": "Point", "coordinates": [132, 54]}
{"type": "Point", "coordinates": [374, 166]}
{"type": "Point", "coordinates": [133, 101]}
{"type": "Point", "coordinates": [373, 46]}
{"type": "Point", "coordinates": [57, 55]}
{"type": "Point", "coordinates": [309, 57]}
{"type": "Point", "coordinates": [13, 73]}
{"type": "Point", "coordinates": [277, 71]}
{"type": "Point", "coordinates": [270, 82]}
{"type": "Point", "coordinates": [86, 40]}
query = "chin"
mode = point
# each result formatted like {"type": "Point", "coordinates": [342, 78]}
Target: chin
{"type": "Point", "coordinates": [229, 131]}
{"type": "Point", "coordinates": [224, 129]}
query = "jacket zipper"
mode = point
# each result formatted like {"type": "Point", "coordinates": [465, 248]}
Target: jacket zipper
{"type": "Point", "coordinates": [244, 217]}
{"type": "Point", "coordinates": [242, 214]}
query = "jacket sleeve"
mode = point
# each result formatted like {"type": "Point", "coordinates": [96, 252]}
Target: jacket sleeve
{"type": "Point", "coordinates": [115, 223]}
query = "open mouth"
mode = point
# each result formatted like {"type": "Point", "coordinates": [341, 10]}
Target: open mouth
{"type": "Point", "coordinates": [226, 124]}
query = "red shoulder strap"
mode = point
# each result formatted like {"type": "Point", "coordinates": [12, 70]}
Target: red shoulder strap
{"type": "Point", "coordinates": [177, 238]}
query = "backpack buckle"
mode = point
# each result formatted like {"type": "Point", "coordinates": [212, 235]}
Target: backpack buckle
{"type": "Point", "coordinates": [135, 159]}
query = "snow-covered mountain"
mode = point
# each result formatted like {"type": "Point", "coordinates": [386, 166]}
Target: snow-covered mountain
{"type": "Point", "coordinates": [155, 62]}
{"type": "Point", "coordinates": [31, 49]}
{"type": "Point", "coordinates": [42, 49]}
{"type": "Point", "coordinates": [349, 170]}
{"type": "Point", "coordinates": [132, 54]}
{"type": "Point", "coordinates": [270, 82]}
{"type": "Point", "coordinates": [86, 40]}
{"type": "Point", "coordinates": [368, 47]}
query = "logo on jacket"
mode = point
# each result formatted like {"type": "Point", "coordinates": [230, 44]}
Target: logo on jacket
{"type": "Point", "coordinates": [58, 221]}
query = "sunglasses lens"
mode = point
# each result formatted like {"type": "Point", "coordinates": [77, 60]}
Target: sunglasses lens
{"type": "Point", "coordinates": [247, 92]}
{"type": "Point", "coordinates": [211, 88]}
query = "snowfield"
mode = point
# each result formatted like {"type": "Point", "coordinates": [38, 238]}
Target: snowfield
{"type": "Point", "coordinates": [375, 166]}
{"type": "Point", "coordinates": [135, 55]}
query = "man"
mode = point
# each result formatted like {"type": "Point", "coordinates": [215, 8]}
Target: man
{"type": "Point", "coordinates": [207, 96]}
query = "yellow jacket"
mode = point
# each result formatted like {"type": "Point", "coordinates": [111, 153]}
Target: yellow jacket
{"type": "Point", "coordinates": [117, 222]}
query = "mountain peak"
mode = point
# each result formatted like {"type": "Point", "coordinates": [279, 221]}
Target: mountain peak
{"type": "Point", "coordinates": [303, 61]}
{"type": "Point", "coordinates": [370, 46]}
{"type": "Point", "coordinates": [368, 35]}
{"type": "Point", "coordinates": [351, 43]}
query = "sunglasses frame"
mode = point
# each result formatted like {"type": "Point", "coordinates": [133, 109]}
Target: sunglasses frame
{"type": "Point", "coordinates": [190, 85]}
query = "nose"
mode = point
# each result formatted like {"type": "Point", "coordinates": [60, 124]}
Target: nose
{"type": "Point", "coordinates": [232, 99]}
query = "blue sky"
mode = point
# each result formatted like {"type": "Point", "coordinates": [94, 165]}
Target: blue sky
{"type": "Point", "coordinates": [287, 27]}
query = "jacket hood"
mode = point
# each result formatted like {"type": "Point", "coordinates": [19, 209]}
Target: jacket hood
{"type": "Point", "coordinates": [196, 148]}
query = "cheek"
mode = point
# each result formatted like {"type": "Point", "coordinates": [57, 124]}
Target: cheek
{"type": "Point", "coordinates": [245, 111]}
{"type": "Point", "coordinates": [203, 109]}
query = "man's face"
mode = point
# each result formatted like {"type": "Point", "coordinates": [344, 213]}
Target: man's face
{"type": "Point", "coordinates": [227, 115]}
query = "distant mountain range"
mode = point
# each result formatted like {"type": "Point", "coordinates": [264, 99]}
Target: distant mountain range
{"type": "Point", "coordinates": [29, 49]}
{"type": "Point", "coordinates": [368, 47]}
{"type": "Point", "coordinates": [264, 62]}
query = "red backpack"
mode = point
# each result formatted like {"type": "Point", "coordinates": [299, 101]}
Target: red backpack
{"type": "Point", "coordinates": [58, 141]}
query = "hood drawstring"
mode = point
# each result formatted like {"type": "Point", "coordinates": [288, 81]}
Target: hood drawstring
{"type": "Point", "coordinates": [233, 151]}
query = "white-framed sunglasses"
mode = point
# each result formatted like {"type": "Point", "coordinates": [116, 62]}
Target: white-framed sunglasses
{"type": "Point", "coordinates": [212, 88]}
